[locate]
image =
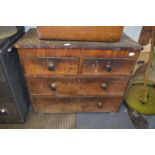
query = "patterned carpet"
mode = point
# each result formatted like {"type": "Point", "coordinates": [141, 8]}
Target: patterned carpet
{"type": "Point", "coordinates": [44, 121]}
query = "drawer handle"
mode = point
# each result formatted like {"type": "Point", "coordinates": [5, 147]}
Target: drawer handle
{"type": "Point", "coordinates": [109, 67]}
{"type": "Point", "coordinates": [99, 104]}
{"type": "Point", "coordinates": [104, 85]}
{"type": "Point", "coordinates": [3, 111]}
{"type": "Point", "coordinates": [51, 66]}
{"type": "Point", "coordinates": [53, 87]}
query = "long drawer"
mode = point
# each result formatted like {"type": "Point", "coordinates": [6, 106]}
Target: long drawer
{"type": "Point", "coordinates": [81, 53]}
{"type": "Point", "coordinates": [50, 65]}
{"type": "Point", "coordinates": [46, 104]}
{"type": "Point", "coordinates": [77, 86]}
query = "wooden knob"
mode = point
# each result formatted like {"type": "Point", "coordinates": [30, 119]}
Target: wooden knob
{"type": "Point", "coordinates": [53, 87]}
{"type": "Point", "coordinates": [51, 66]}
{"type": "Point", "coordinates": [108, 68]}
{"type": "Point", "coordinates": [104, 86]}
{"type": "Point", "coordinates": [99, 104]}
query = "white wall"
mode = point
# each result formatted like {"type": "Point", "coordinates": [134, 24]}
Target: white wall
{"type": "Point", "coordinates": [132, 31]}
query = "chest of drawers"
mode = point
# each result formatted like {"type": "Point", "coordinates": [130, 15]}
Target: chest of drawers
{"type": "Point", "coordinates": [74, 76]}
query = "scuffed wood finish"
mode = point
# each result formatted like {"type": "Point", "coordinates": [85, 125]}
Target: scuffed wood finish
{"type": "Point", "coordinates": [31, 40]}
{"type": "Point", "coordinates": [85, 33]}
{"type": "Point", "coordinates": [28, 53]}
{"type": "Point", "coordinates": [113, 67]}
{"type": "Point", "coordinates": [76, 104]}
{"type": "Point", "coordinates": [74, 86]}
{"type": "Point", "coordinates": [80, 81]}
{"type": "Point", "coordinates": [42, 66]}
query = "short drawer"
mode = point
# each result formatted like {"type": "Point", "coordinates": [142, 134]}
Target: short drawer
{"type": "Point", "coordinates": [100, 66]}
{"type": "Point", "coordinates": [9, 113]}
{"type": "Point", "coordinates": [74, 86]}
{"type": "Point", "coordinates": [80, 104]}
{"type": "Point", "coordinates": [50, 65]}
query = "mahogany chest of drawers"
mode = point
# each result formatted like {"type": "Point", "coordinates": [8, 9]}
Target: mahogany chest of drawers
{"type": "Point", "coordinates": [74, 76]}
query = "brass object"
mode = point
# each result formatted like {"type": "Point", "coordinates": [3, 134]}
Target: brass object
{"type": "Point", "coordinates": [140, 94]}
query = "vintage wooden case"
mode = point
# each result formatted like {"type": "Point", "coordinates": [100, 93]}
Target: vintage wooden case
{"type": "Point", "coordinates": [85, 33]}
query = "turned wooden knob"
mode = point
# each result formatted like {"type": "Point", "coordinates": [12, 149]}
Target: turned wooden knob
{"type": "Point", "coordinates": [53, 87]}
{"type": "Point", "coordinates": [51, 66]}
{"type": "Point", "coordinates": [99, 104]}
{"type": "Point", "coordinates": [104, 86]}
{"type": "Point", "coordinates": [108, 68]}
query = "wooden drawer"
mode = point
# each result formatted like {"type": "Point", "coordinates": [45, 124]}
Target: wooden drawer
{"type": "Point", "coordinates": [78, 52]}
{"type": "Point", "coordinates": [45, 104]}
{"type": "Point", "coordinates": [50, 65]}
{"type": "Point", "coordinates": [100, 66]}
{"type": "Point", "coordinates": [74, 86]}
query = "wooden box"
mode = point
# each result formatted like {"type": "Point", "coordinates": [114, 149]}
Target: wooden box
{"type": "Point", "coordinates": [81, 33]}
{"type": "Point", "coordinates": [74, 76]}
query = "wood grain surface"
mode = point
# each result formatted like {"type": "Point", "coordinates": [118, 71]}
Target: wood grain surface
{"type": "Point", "coordinates": [85, 33]}
{"type": "Point", "coordinates": [31, 40]}
{"type": "Point", "coordinates": [40, 52]}
{"type": "Point", "coordinates": [87, 76]}
{"type": "Point", "coordinates": [104, 66]}
{"type": "Point", "coordinates": [70, 105]}
{"type": "Point", "coordinates": [50, 66]}
{"type": "Point", "coordinates": [74, 86]}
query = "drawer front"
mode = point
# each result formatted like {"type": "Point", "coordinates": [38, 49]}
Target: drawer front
{"type": "Point", "coordinates": [107, 66]}
{"type": "Point", "coordinates": [9, 113]}
{"type": "Point", "coordinates": [70, 105]}
{"type": "Point", "coordinates": [49, 66]}
{"type": "Point", "coordinates": [5, 93]}
{"type": "Point", "coordinates": [2, 76]}
{"type": "Point", "coordinates": [68, 52]}
{"type": "Point", "coordinates": [96, 86]}
{"type": "Point", "coordinates": [8, 109]}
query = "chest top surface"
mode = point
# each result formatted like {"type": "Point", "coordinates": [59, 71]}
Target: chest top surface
{"type": "Point", "coordinates": [31, 40]}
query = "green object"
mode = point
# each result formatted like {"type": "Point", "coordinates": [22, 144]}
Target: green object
{"type": "Point", "coordinates": [140, 94]}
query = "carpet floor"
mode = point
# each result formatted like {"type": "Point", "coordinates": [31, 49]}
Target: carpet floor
{"type": "Point", "coordinates": [44, 121]}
